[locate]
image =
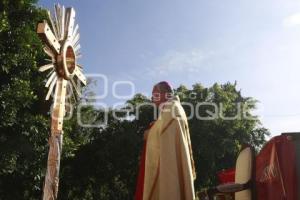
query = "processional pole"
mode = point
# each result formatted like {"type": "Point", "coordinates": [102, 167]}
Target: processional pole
{"type": "Point", "coordinates": [61, 44]}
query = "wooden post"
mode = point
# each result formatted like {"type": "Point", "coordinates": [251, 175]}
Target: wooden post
{"type": "Point", "coordinates": [55, 142]}
{"type": "Point", "coordinates": [61, 41]}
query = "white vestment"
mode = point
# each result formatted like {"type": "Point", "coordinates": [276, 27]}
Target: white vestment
{"type": "Point", "coordinates": [169, 165]}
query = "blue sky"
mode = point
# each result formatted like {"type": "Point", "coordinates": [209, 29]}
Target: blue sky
{"type": "Point", "coordinates": [256, 43]}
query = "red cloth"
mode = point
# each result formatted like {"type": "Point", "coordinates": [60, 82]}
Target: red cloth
{"type": "Point", "coordinates": [140, 181]}
{"type": "Point", "coordinates": [226, 176]}
{"type": "Point", "coordinates": [276, 177]}
{"type": "Point", "coordinates": [141, 176]}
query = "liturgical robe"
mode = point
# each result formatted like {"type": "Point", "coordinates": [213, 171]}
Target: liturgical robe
{"type": "Point", "coordinates": [169, 170]}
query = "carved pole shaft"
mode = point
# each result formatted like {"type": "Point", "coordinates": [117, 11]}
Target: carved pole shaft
{"type": "Point", "coordinates": [55, 142]}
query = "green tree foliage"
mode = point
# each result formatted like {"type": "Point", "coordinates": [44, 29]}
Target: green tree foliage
{"type": "Point", "coordinates": [216, 142]}
{"type": "Point", "coordinates": [97, 163]}
{"type": "Point", "coordinates": [24, 114]}
{"type": "Point", "coordinates": [23, 122]}
{"type": "Point", "coordinates": [111, 158]}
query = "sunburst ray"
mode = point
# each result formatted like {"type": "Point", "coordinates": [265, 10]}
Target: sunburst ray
{"type": "Point", "coordinates": [70, 21]}
{"type": "Point", "coordinates": [62, 24]}
{"type": "Point", "coordinates": [76, 39]}
{"type": "Point", "coordinates": [46, 67]}
{"type": "Point", "coordinates": [77, 48]}
{"type": "Point", "coordinates": [75, 87]}
{"type": "Point", "coordinates": [80, 75]}
{"type": "Point", "coordinates": [49, 52]}
{"type": "Point", "coordinates": [53, 26]}
{"type": "Point", "coordinates": [64, 81]}
{"type": "Point", "coordinates": [61, 30]}
{"type": "Point", "coordinates": [51, 78]}
{"type": "Point", "coordinates": [74, 32]}
{"type": "Point", "coordinates": [53, 83]}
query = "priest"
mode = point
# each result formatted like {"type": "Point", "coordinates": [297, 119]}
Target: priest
{"type": "Point", "coordinates": [167, 168]}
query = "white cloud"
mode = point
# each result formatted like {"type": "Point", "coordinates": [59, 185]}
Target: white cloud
{"type": "Point", "coordinates": [179, 61]}
{"type": "Point", "coordinates": [292, 20]}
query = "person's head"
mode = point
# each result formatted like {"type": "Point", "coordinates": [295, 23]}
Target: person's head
{"type": "Point", "coordinates": [161, 92]}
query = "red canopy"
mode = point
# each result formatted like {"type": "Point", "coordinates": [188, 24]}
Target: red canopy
{"type": "Point", "coordinates": [276, 169]}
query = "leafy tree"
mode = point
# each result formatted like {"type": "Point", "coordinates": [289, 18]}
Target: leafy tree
{"type": "Point", "coordinates": [111, 158]}
{"type": "Point", "coordinates": [216, 142]}
{"type": "Point", "coordinates": [97, 163]}
{"type": "Point", "coordinates": [24, 125]}
{"type": "Point", "coordinates": [24, 114]}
